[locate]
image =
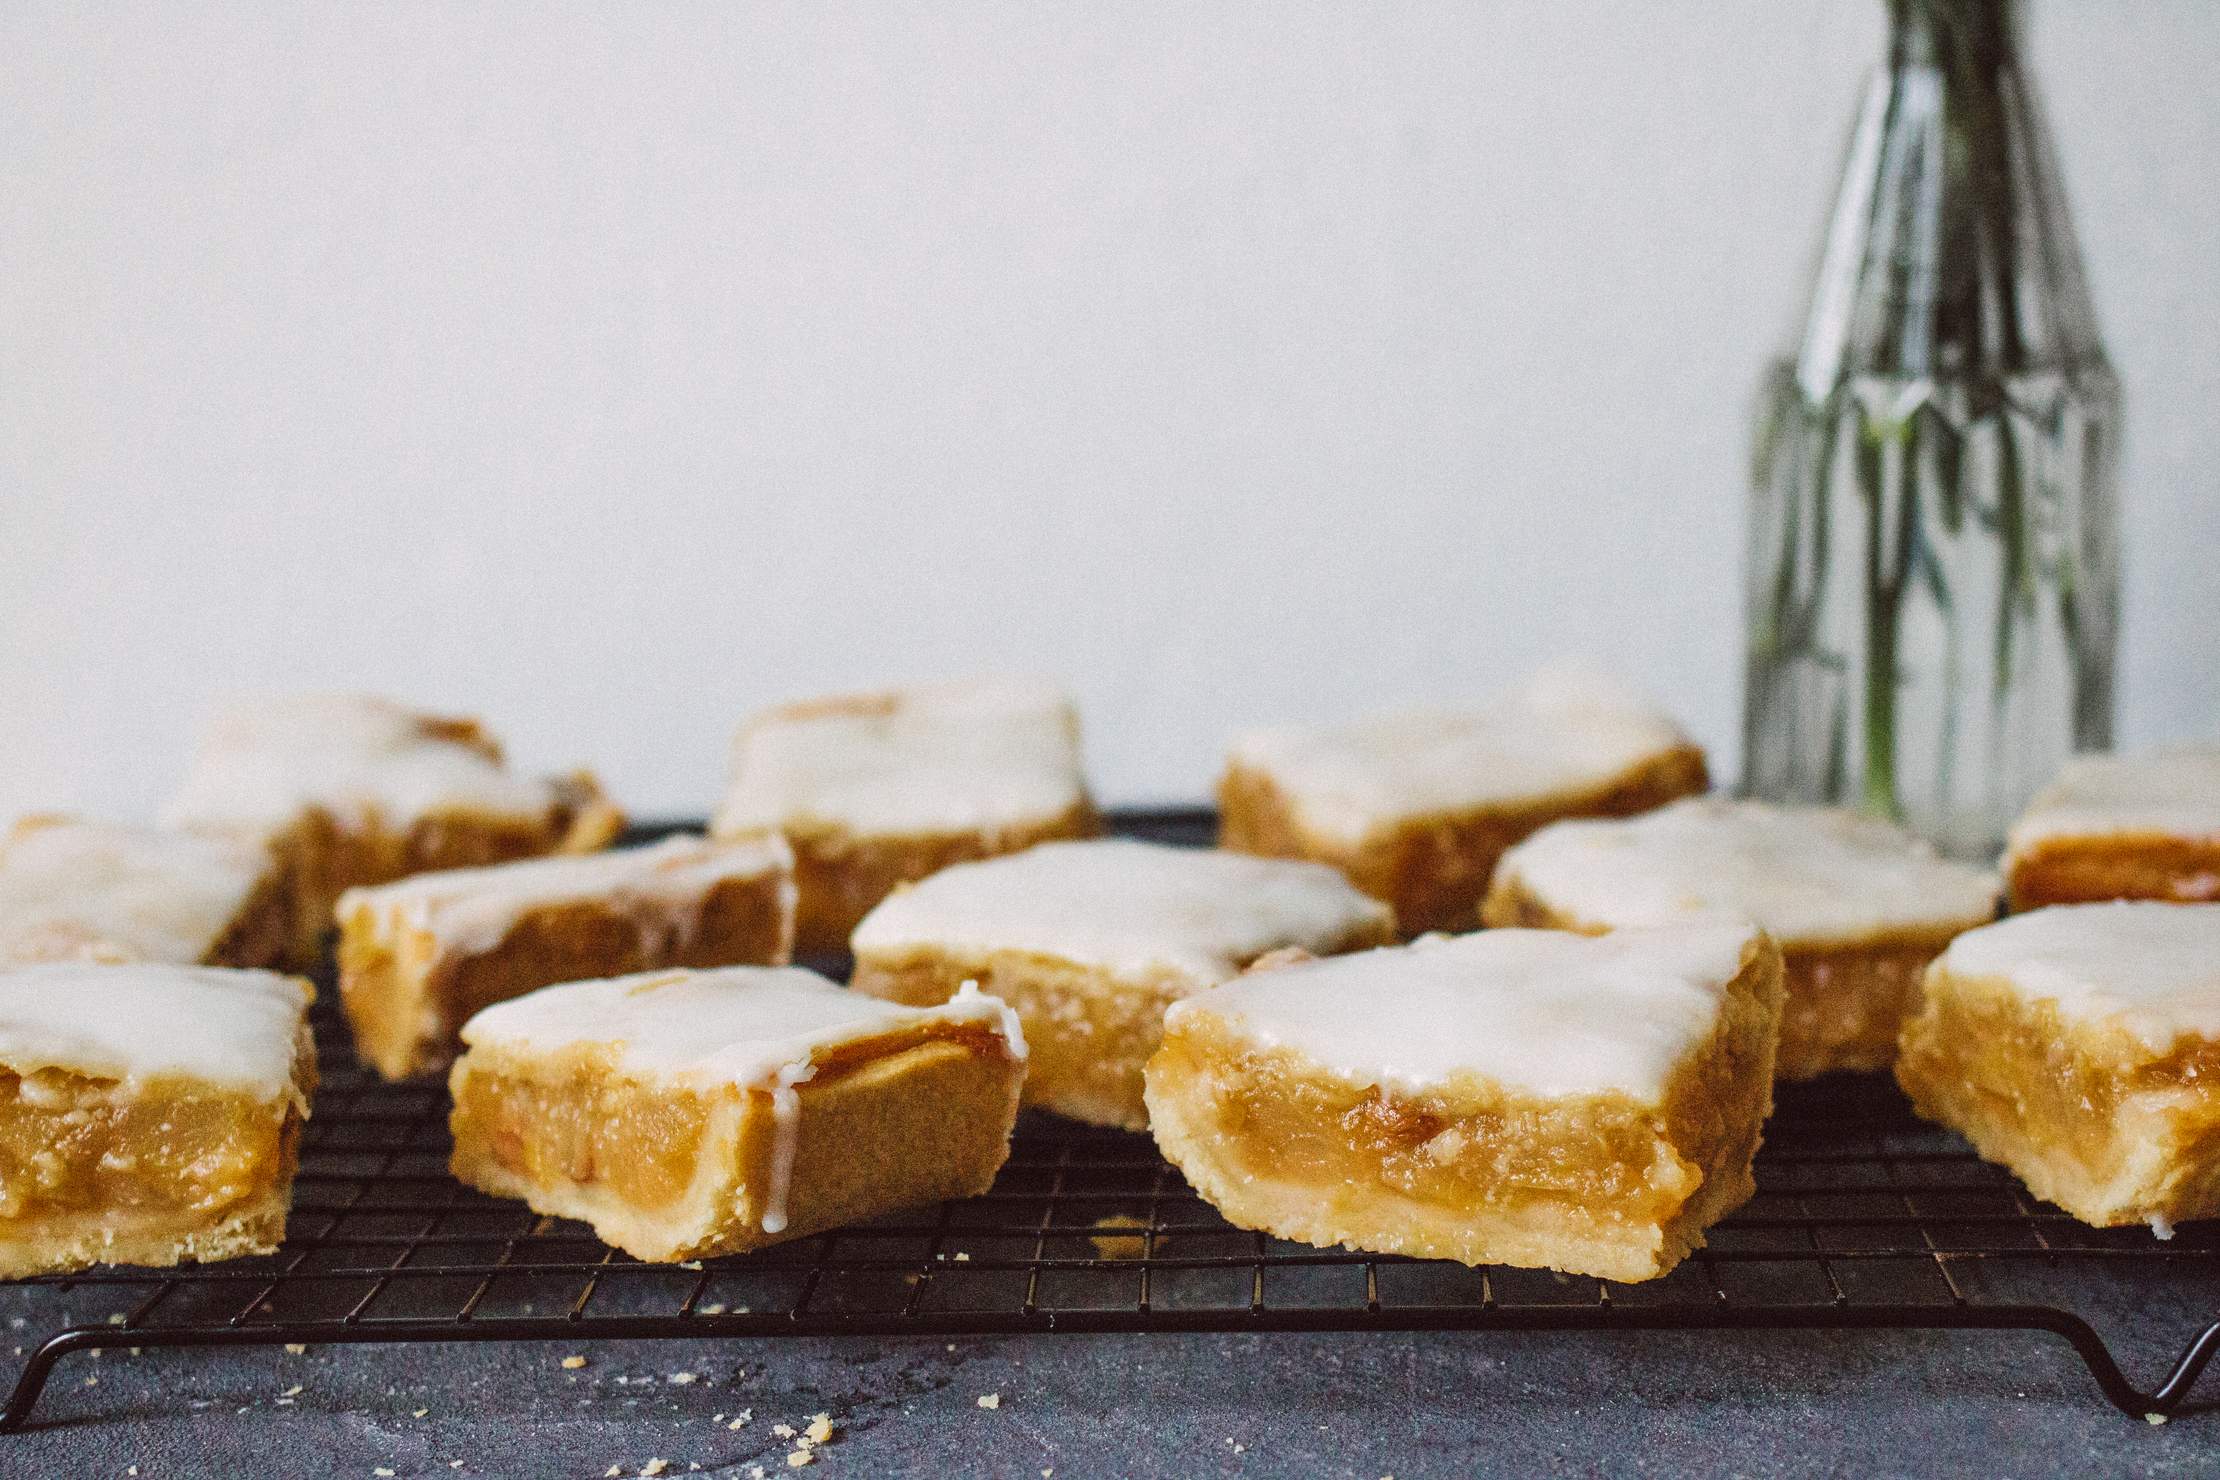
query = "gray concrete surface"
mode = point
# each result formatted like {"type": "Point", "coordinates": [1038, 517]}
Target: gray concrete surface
{"type": "Point", "coordinates": [1779, 1404]}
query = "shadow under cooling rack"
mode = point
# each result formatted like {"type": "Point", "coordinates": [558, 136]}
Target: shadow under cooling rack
{"type": "Point", "coordinates": [1864, 1218]}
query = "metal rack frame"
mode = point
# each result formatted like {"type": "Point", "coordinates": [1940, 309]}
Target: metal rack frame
{"type": "Point", "coordinates": [1864, 1219]}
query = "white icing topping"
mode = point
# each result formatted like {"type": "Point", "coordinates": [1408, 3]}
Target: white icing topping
{"type": "Point", "coordinates": [1564, 731]}
{"type": "Point", "coordinates": [662, 886]}
{"type": "Point", "coordinates": [2152, 968]}
{"type": "Point", "coordinates": [72, 889]}
{"type": "Point", "coordinates": [943, 758]}
{"type": "Point", "coordinates": [2174, 793]}
{"type": "Point", "coordinates": [751, 1027]}
{"type": "Point", "coordinates": [1808, 875]}
{"type": "Point", "coordinates": [232, 1029]}
{"type": "Point", "coordinates": [1131, 908]}
{"type": "Point", "coordinates": [1540, 1011]}
{"type": "Point", "coordinates": [363, 760]}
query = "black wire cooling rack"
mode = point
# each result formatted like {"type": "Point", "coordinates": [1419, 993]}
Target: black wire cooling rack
{"type": "Point", "coordinates": [1864, 1218]}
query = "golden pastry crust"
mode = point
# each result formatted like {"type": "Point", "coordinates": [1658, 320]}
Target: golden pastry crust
{"type": "Point", "coordinates": [2088, 1115]}
{"type": "Point", "coordinates": [1846, 1002]}
{"type": "Point", "coordinates": [1089, 1031]}
{"type": "Point", "coordinates": [1435, 869]}
{"type": "Point", "coordinates": [1594, 1184]}
{"type": "Point", "coordinates": [669, 1174]}
{"type": "Point", "coordinates": [407, 990]}
{"type": "Point", "coordinates": [2085, 870]}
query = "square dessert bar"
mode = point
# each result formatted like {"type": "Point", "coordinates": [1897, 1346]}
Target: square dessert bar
{"type": "Point", "coordinates": [1857, 906]}
{"type": "Point", "coordinates": [72, 890]}
{"type": "Point", "coordinates": [419, 956]}
{"type": "Point", "coordinates": [692, 1113]}
{"type": "Point", "coordinates": [1416, 808]}
{"type": "Point", "coordinates": [1091, 941]}
{"type": "Point", "coordinates": [2121, 827]}
{"type": "Point", "coordinates": [1527, 1097]}
{"type": "Point", "coordinates": [149, 1114]}
{"type": "Point", "coordinates": [352, 790]}
{"type": "Point", "coordinates": [2080, 1047]}
{"type": "Point", "coordinates": [875, 790]}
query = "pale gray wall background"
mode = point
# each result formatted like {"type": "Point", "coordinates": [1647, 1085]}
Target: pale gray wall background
{"type": "Point", "coordinates": [613, 370]}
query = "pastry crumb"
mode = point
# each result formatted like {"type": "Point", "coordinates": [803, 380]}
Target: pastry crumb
{"type": "Point", "coordinates": [990, 1400]}
{"type": "Point", "coordinates": [612, 1471]}
{"type": "Point", "coordinates": [2154, 1419]}
{"type": "Point", "coordinates": [741, 1419]}
{"type": "Point", "coordinates": [685, 1379]}
{"type": "Point", "coordinates": [382, 1470]}
{"type": "Point", "coordinates": [655, 1467]}
{"type": "Point", "coordinates": [1119, 1245]}
{"type": "Point", "coordinates": [92, 1382]}
{"type": "Point", "coordinates": [116, 1319]}
{"type": "Point", "coordinates": [713, 1308]}
{"type": "Point", "coordinates": [295, 1348]}
{"type": "Point", "coordinates": [572, 1364]}
{"type": "Point", "coordinates": [799, 1458]}
{"type": "Point", "coordinates": [783, 1430]}
{"type": "Point", "coordinates": [418, 1412]}
{"type": "Point", "coordinates": [820, 1430]}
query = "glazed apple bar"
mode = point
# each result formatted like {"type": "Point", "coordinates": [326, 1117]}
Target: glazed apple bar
{"type": "Point", "coordinates": [2080, 1047]}
{"type": "Point", "coordinates": [1416, 807]}
{"type": "Point", "coordinates": [419, 956]}
{"type": "Point", "coordinates": [347, 789]}
{"type": "Point", "coordinates": [1091, 941]}
{"type": "Point", "coordinates": [876, 790]}
{"type": "Point", "coordinates": [149, 1113]}
{"type": "Point", "coordinates": [1584, 1104]}
{"type": "Point", "coordinates": [1857, 906]}
{"type": "Point", "coordinates": [685, 1114]}
{"type": "Point", "coordinates": [74, 890]}
{"type": "Point", "coordinates": [2121, 827]}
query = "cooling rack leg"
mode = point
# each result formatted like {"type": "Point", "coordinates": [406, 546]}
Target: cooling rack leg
{"type": "Point", "coordinates": [2113, 1383]}
{"type": "Point", "coordinates": [2194, 1358]}
{"type": "Point", "coordinates": [32, 1380]}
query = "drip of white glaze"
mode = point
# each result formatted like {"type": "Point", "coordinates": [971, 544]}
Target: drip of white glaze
{"type": "Point", "coordinates": [786, 1125]}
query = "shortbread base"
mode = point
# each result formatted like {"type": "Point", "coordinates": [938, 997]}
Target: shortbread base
{"type": "Point", "coordinates": [1472, 1171]}
{"type": "Point", "coordinates": [1088, 1032]}
{"type": "Point", "coordinates": [669, 1175]}
{"type": "Point", "coordinates": [1846, 1002]}
{"type": "Point", "coordinates": [407, 995]}
{"type": "Point", "coordinates": [2087, 1115]}
{"type": "Point", "coordinates": [1435, 869]}
{"type": "Point", "coordinates": [2118, 866]}
{"type": "Point", "coordinates": [840, 876]}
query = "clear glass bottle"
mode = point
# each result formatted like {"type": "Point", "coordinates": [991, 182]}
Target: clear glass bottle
{"type": "Point", "coordinates": [1934, 562]}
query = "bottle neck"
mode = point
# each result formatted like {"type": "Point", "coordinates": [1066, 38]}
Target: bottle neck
{"type": "Point", "coordinates": [1970, 42]}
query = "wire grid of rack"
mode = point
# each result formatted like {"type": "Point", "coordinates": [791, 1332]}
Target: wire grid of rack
{"type": "Point", "coordinates": [1864, 1218]}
